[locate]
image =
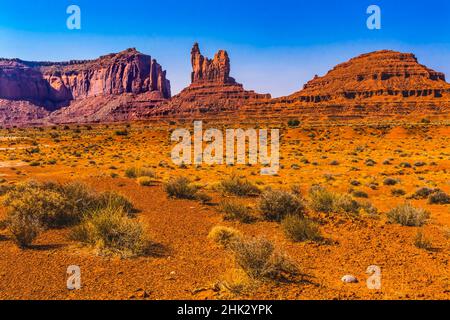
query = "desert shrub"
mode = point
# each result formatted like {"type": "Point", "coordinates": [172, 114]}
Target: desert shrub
{"type": "Point", "coordinates": [421, 242]}
{"type": "Point", "coordinates": [137, 172]}
{"type": "Point", "coordinates": [346, 204]}
{"type": "Point", "coordinates": [370, 162]}
{"type": "Point", "coordinates": [78, 199]}
{"type": "Point", "coordinates": [146, 181]}
{"type": "Point", "coordinates": [300, 229]}
{"type": "Point", "coordinates": [293, 123]}
{"type": "Point", "coordinates": [239, 187]}
{"type": "Point", "coordinates": [60, 205]}
{"type": "Point", "coordinates": [398, 192]}
{"type": "Point", "coordinates": [122, 133]}
{"type": "Point", "coordinates": [34, 203]}
{"type": "Point", "coordinates": [367, 209]}
{"type": "Point", "coordinates": [234, 210]}
{"type": "Point", "coordinates": [24, 228]}
{"type": "Point", "coordinates": [111, 232]}
{"type": "Point", "coordinates": [422, 193]}
{"type": "Point", "coordinates": [260, 260]}
{"type": "Point", "coordinates": [203, 197]}
{"type": "Point", "coordinates": [181, 188]}
{"type": "Point", "coordinates": [224, 236]}
{"type": "Point", "coordinates": [112, 199]}
{"type": "Point", "coordinates": [407, 215]}
{"type": "Point", "coordinates": [439, 197]}
{"type": "Point", "coordinates": [322, 200]}
{"type": "Point", "coordinates": [360, 194]}
{"type": "Point", "coordinates": [390, 182]}
{"type": "Point", "coordinates": [277, 204]}
{"type": "Point", "coordinates": [355, 183]}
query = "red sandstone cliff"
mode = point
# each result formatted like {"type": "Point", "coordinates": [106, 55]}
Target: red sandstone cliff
{"type": "Point", "coordinates": [39, 88]}
{"type": "Point", "coordinates": [381, 84]}
{"type": "Point", "coordinates": [131, 86]}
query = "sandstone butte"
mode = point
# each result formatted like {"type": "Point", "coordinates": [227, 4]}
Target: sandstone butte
{"type": "Point", "coordinates": [132, 86]}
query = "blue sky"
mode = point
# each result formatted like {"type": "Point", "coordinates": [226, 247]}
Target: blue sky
{"type": "Point", "coordinates": [275, 46]}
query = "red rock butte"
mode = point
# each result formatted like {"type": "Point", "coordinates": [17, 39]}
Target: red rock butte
{"type": "Point", "coordinates": [131, 86]}
{"type": "Point", "coordinates": [212, 91]}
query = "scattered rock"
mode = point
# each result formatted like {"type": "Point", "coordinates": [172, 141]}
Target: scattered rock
{"type": "Point", "coordinates": [349, 279]}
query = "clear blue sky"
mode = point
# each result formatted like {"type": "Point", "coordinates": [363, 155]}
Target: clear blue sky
{"type": "Point", "coordinates": [275, 46]}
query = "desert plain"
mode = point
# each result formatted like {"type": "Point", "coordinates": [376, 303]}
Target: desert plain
{"type": "Point", "coordinates": [383, 163]}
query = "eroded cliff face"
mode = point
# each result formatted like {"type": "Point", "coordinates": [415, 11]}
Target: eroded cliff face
{"type": "Point", "coordinates": [211, 91]}
{"type": "Point", "coordinates": [378, 84]}
{"type": "Point", "coordinates": [52, 86]}
{"type": "Point", "coordinates": [131, 86]}
{"type": "Point", "coordinates": [381, 73]}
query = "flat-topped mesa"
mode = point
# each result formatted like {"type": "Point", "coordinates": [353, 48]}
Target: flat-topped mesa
{"type": "Point", "coordinates": [216, 70]}
{"type": "Point", "coordinates": [376, 74]}
{"type": "Point", "coordinates": [212, 90]}
{"type": "Point", "coordinates": [53, 85]}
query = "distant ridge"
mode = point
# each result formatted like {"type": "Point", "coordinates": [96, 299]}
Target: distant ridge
{"type": "Point", "coordinates": [129, 86]}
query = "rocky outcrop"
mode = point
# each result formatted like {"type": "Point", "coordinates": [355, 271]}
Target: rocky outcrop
{"type": "Point", "coordinates": [211, 91]}
{"type": "Point", "coordinates": [52, 86]}
{"type": "Point", "coordinates": [216, 70]}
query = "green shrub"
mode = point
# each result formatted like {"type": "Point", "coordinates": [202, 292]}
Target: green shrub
{"type": "Point", "coordinates": [407, 215]}
{"type": "Point", "coordinates": [422, 193]}
{"type": "Point", "coordinates": [239, 187]}
{"type": "Point", "coordinates": [112, 199]}
{"type": "Point", "coordinates": [203, 197]}
{"type": "Point", "coordinates": [224, 236]}
{"type": "Point", "coordinates": [34, 203]}
{"type": "Point", "coordinates": [181, 188]}
{"type": "Point", "coordinates": [398, 192]}
{"type": "Point", "coordinates": [277, 204]}
{"type": "Point", "coordinates": [24, 228]}
{"type": "Point", "coordinates": [112, 232]}
{"type": "Point", "coordinates": [439, 197]}
{"type": "Point", "coordinates": [322, 200]}
{"type": "Point", "coordinates": [300, 229]}
{"type": "Point", "coordinates": [234, 210]}
{"type": "Point", "coordinates": [421, 242]}
{"type": "Point", "coordinates": [360, 194]}
{"type": "Point", "coordinates": [146, 181]}
{"type": "Point", "coordinates": [137, 172]}
{"type": "Point", "coordinates": [122, 133]}
{"type": "Point", "coordinates": [293, 123]}
{"type": "Point", "coordinates": [259, 260]}
{"type": "Point", "coordinates": [390, 182]}
{"type": "Point", "coordinates": [346, 204]}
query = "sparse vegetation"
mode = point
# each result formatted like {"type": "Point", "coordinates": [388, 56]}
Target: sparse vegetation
{"type": "Point", "coordinates": [407, 215]}
{"type": "Point", "coordinates": [421, 242]}
{"type": "Point", "coordinates": [300, 229]}
{"type": "Point", "coordinates": [236, 211]}
{"type": "Point", "coordinates": [224, 236]}
{"type": "Point", "coordinates": [138, 172]}
{"type": "Point", "coordinates": [260, 260]}
{"type": "Point", "coordinates": [277, 204]}
{"type": "Point", "coordinates": [322, 200]}
{"type": "Point", "coordinates": [439, 197]}
{"type": "Point", "coordinates": [239, 187]}
{"type": "Point", "coordinates": [181, 188]}
{"type": "Point", "coordinates": [112, 232]}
